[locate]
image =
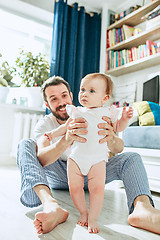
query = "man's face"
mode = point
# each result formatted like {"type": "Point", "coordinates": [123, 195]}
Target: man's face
{"type": "Point", "coordinates": [57, 99]}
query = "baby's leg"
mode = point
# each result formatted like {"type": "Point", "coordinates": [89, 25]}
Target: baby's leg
{"type": "Point", "coordinates": [76, 184]}
{"type": "Point", "coordinates": [96, 184]}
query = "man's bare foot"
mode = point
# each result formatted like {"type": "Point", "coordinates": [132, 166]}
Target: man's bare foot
{"type": "Point", "coordinates": [51, 216]}
{"type": "Point", "coordinates": [93, 226]}
{"type": "Point", "coordinates": [83, 220]}
{"type": "Point", "coordinates": [145, 216]}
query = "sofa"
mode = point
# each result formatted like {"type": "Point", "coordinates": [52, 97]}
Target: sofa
{"type": "Point", "coordinates": [143, 137]}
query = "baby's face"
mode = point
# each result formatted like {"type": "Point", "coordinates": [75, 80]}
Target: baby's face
{"type": "Point", "coordinates": [92, 92]}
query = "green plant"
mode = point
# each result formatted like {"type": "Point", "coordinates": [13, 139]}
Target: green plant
{"type": "Point", "coordinates": [6, 73]}
{"type": "Point", "coordinates": [33, 70]}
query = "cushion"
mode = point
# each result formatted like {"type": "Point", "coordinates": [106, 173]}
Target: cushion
{"type": "Point", "coordinates": [142, 137]}
{"type": "Point", "coordinates": [148, 112]}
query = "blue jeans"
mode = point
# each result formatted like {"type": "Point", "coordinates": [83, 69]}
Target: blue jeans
{"type": "Point", "coordinates": [127, 167]}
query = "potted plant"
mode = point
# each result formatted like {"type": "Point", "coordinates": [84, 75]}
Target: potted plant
{"type": "Point", "coordinates": [33, 71]}
{"type": "Point", "coordinates": [6, 75]}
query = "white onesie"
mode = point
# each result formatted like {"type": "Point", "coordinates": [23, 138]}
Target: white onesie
{"type": "Point", "coordinates": [91, 152]}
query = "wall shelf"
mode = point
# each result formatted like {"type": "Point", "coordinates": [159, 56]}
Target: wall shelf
{"type": "Point", "coordinates": [135, 65]}
{"type": "Point", "coordinates": [134, 18]}
{"type": "Point", "coordinates": [151, 34]}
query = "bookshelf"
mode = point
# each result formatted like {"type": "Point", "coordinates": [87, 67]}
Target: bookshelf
{"type": "Point", "coordinates": [152, 34]}
{"type": "Point", "coordinates": [134, 18]}
{"type": "Point", "coordinates": [135, 65]}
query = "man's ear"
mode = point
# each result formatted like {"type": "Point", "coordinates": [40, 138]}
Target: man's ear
{"type": "Point", "coordinates": [105, 99]}
{"type": "Point", "coordinates": [46, 105]}
{"type": "Point", "coordinates": [71, 94]}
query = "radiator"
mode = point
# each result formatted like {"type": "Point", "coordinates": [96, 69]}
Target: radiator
{"type": "Point", "coordinates": [24, 124]}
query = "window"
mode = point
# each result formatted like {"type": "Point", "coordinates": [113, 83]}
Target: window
{"type": "Point", "coordinates": [18, 32]}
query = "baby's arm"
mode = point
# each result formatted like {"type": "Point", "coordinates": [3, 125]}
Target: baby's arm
{"type": "Point", "coordinates": [122, 123]}
{"type": "Point", "coordinates": [60, 131]}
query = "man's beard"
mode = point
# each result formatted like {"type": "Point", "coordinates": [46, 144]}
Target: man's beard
{"type": "Point", "coordinates": [58, 116]}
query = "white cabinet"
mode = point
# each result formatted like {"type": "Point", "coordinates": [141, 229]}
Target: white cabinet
{"type": "Point", "coordinates": [151, 160]}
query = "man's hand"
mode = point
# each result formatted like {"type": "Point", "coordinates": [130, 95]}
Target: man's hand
{"type": "Point", "coordinates": [107, 131]}
{"type": "Point", "coordinates": [75, 128]}
{"type": "Point", "coordinates": [115, 143]}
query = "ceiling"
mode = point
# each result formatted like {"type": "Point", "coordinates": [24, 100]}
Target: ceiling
{"type": "Point", "coordinates": [90, 4]}
{"type": "Point", "coordinates": [115, 5]}
{"type": "Point", "coordinates": [42, 10]}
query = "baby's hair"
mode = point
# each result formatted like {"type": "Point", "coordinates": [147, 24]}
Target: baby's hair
{"type": "Point", "coordinates": [107, 79]}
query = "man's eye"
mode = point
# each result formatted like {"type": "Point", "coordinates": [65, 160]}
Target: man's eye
{"type": "Point", "coordinates": [64, 96]}
{"type": "Point", "coordinates": [53, 99]}
{"type": "Point", "coordinates": [82, 89]}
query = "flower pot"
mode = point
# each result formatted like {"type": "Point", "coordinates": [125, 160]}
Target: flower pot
{"type": "Point", "coordinates": [3, 94]}
{"type": "Point", "coordinates": [34, 97]}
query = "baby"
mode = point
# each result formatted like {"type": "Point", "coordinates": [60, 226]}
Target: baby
{"type": "Point", "coordinates": [90, 158]}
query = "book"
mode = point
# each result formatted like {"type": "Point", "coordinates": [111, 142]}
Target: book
{"type": "Point", "coordinates": [107, 37]}
{"type": "Point", "coordinates": [128, 31]}
{"type": "Point", "coordinates": [111, 16]}
{"type": "Point", "coordinates": [108, 60]}
{"type": "Point", "coordinates": [129, 10]}
{"type": "Point", "coordinates": [150, 46]}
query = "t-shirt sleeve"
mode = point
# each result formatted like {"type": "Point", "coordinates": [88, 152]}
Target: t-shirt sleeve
{"type": "Point", "coordinates": [45, 124]}
{"type": "Point", "coordinates": [73, 111]}
{"type": "Point", "coordinates": [40, 128]}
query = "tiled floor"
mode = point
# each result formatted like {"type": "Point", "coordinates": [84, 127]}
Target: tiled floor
{"type": "Point", "coordinates": [14, 224]}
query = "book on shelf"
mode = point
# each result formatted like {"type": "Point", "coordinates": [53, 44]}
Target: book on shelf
{"type": "Point", "coordinates": [111, 16]}
{"type": "Point", "coordinates": [128, 31]}
{"type": "Point", "coordinates": [152, 14]}
{"type": "Point", "coordinates": [128, 11]}
{"type": "Point", "coordinates": [122, 57]}
{"type": "Point", "coordinates": [151, 46]}
{"type": "Point", "coordinates": [117, 35]}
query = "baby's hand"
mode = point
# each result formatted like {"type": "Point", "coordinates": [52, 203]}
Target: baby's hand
{"type": "Point", "coordinates": [49, 136]}
{"type": "Point", "coordinates": [127, 114]}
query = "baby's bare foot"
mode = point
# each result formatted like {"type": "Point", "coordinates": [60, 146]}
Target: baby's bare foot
{"type": "Point", "coordinates": [51, 216]}
{"type": "Point", "coordinates": [93, 226]}
{"type": "Point", "coordinates": [83, 220]}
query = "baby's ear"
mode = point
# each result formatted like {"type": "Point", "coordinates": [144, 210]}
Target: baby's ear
{"type": "Point", "coordinates": [106, 98]}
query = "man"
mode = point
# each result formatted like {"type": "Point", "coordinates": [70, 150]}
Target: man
{"type": "Point", "coordinates": [39, 175]}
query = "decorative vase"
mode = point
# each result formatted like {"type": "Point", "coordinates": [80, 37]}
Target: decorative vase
{"type": "Point", "coordinates": [34, 97]}
{"type": "Point", "coordinates": [3, 94]}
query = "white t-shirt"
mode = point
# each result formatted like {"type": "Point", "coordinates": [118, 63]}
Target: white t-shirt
{"type": "Point", "coordinates": [46, 124]}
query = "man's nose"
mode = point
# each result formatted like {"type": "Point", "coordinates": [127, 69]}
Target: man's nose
{"type": "Point", "coordinates": [61, 102]}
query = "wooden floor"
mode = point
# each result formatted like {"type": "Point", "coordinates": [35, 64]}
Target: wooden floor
{"type": "Point", "coordinates": [16, 223]}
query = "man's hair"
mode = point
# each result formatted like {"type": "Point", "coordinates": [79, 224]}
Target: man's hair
{"type": "Point", "coordinates": [53, 81]}
{"type": "Point", "coordinates": [107, 79]}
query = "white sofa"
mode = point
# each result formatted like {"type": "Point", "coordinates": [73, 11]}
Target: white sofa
{"type": "Point", "coordinates": [148, 148]}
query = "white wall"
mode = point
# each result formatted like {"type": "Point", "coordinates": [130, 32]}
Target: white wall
{"type": "Point", "coordinates": [139, 77]}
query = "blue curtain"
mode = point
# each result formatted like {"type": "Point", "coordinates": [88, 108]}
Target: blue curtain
{"type": "Point", "coordinates": [75, 44]}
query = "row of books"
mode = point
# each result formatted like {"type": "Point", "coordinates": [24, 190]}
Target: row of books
{"type": "Point", "coordinates": [116, 16]}
{"type": "Point", "coordinates": [119, 58]}
{"type": "Point", "coordinates": [117, 35]}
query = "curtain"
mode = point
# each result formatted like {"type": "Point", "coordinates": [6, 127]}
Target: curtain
{"type": "Point", "coordinates": [75, 48]}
